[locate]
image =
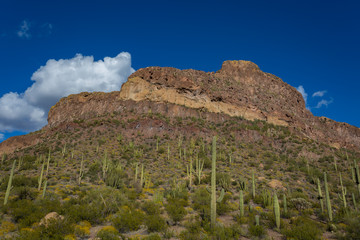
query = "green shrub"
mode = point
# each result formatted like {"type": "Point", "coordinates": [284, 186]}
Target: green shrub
{"type": "Point", "coordinates": [155, 223]}
{"type": "Point", "coordinates": [256, 231]}
{"type": "Point", "coordinates": [303, 229]}
{"type": "Point", "coordinates": [193, 230]}
{"type": "Point", "coordinates": [25, 212]}
{"type": "Point", "coordinates": [201, 199]}
{"type": "Point", "coordinates": [352, 227]}
{"type": "Point", "coordinates": [227, 233]}
{"type": "Point", "coordinates": [151, 208]}
{"type": "Point", "coordinates": [108, 233]}
{"type": "Point", "coordinates": [128, 219]}
{"type": "Point", "coordinates": [84, 212]}
{"type": "Point", "coordinates": [115, 178]}
{"type": "Point", "coordinates": [223, 207]}
{"type": "Point", "coordinates": [28, 162]}
{"type": "Point", "coordinates": [56, 229]}
{"type": "Point", "coordinates": [175, 210]}
{"type": "Point", "coordinates": [153, 236]}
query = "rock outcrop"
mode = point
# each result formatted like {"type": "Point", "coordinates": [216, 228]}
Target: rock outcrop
{"type": "Point", "coordinates": [238, 89]}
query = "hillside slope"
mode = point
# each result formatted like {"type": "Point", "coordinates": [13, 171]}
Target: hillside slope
{"type": "Point", "coordinates": [136, 164]}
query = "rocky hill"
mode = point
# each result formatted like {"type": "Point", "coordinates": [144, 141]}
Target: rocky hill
{"type": "Point", "coordinates": [136, 164]}
{"type": "Point", "coordinates": [238, 89]}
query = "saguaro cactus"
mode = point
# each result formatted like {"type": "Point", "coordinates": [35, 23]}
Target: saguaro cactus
{"type": "Point", "coordinates": [136, 171]}
{"type": "Point", "coordinates": [81, 173]}
{"type": "Point", "coordinates": [199, 165]}
{"type": "Point", "coordinates": [276, 211]}
{"type": "Point", "coordinates": [9, 187]}
{"type": "Point", "coordinates": [343, 193]}
{"type": "Point", "coordinates": [213, 186]}
{"type": "Point", "coordinates": [213, 183]}
{"type": "Point", "coordinates": [142, 175]}
{"type": "Point", "coordinates": [168, 152]}
{"type": "Point", "coordinates": [327, 196]}
{"type": "Point", "coordinates": [253, 184]}
{"type": "Point", "coordinates": [189, 171]}
{"type": "Point", "coordinates": [105, 165]}
{"type": "Point", "coordinates": [285, 204]}
{"type": "Point", "coordinates": [241, 198]}
{"type": "Point", "coordinates": [40, 179]}
{"type": "Point", "coordinates": [257, 220]}
{"type": "Point", "coordinates": [320, 196]}
{"type": "Point", "coordinates": [48, 163]}
{"type": "Point", "coordinates": [44, 190]}
{"type": "Point", "coordinates": [354, 201]}
{"type": "Point", "coordinates": [357, 175]}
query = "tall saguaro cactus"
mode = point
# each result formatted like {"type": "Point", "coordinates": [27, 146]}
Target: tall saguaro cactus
{"type": "Point", "coordinates": [81, 173]}
{"type": "Point", "coordinates": [285, 204]}
{"type": "Point", "coordinates": [357, 175]}
{"type": "Point", "coordinates": [327, 196]}
{"type": "Point", "coordinates": [241, 198]}
{"type": "Point", "coordinates": [320, 196]}
{"type": "Point", "coordinates": [253, 184]}
{"type": "Point", "coordinates": [343, 193]}
{"type": "Point", "coordinates": [199, 165]}
{"type": "Point", "coordinates": [189, 171]}
{"type": "Point", "coordinates": [213, 186]}
{"type": "Point", "coordinates": [276, 211]}
{"type": "Point", "coordinates": [40, 179]}
{"type": "Point", "coordinates": [213, 183]}
{"type": "Point", "coordinates": [9, 187]}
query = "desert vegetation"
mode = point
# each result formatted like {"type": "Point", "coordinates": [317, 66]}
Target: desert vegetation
{"type": "Point", "coordinates": [110, 177]}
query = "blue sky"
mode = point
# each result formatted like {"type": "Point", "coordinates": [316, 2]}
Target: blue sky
{"type": "Point", "coordinates": [313, 44]}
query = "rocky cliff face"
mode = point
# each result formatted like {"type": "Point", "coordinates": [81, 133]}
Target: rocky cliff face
{"type": "Point", "coordinates": [238, 89]}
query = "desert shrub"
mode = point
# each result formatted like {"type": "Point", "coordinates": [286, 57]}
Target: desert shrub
{"type": "Point", "coordinates": [201, 200]}
{"type": "Point", "coordinates": [82, 229]}
{"type": "Point", "coordinates": [19, 181]}
{"type": "Point", "coordinates": [115, 178]}
{"type": "Point", "coordinates": [226, 233]}
{"type": "Point", "coordinates": [108, 233]}
{"type": "Point", "coordinates": [175, 210]}
{"type": "Point", "coordinates": [193, 230]}
{"type": "Point", "coordinates": [25, 212]}
{"type": "Point", "coordinates": [155, 223]}
{"type": "Point", "coordinates": [28, 162]}
{"type": "Point", "coordinates": [256, 231]}
{"type": "Point", "coordinates": [29, 234]}
{"type": "Point", "coordinates": [352, 227]}
{"type": "Point", "coordinates": [223, 180]}
{"type": "Point", "coordinates": [128, 219]}
{"type": "Point", "coordinates": [178, 191]}
{"type": "Point", "coordinates": [55, 229]}
{"type": "Point", "coordinates": [91, 207]}
{"type": "Point", "coordinates": [303, 229]}
{"type": "Point", "coordinates": [151, 208]}
{"type": "Point", "coordinates": [299, 204]}
{"type": "Point", "coordinates": [153, 236]}
{"type": "Point", "coordinates": [93, 171]}
{"type": "Point", "coordinates": [223, 206]}
{"type": "Point", "coordinates": [25, 193]}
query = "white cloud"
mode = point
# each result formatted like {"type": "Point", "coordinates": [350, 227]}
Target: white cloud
{"type": "Point", "coordinates": [319, 93]}
{"type": "Point", "coordinates": [323, 102]}
{"type": "Point", "coordinates": [17, 114]}
{"type": "Point", "coordinates": [303, 93]}
{"type": "Point", "coordinates": [1, 136]}
{"type": "Point", "coordinates": [59, 78]}
{"type": "Point", "coordinates": [24, 30]}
